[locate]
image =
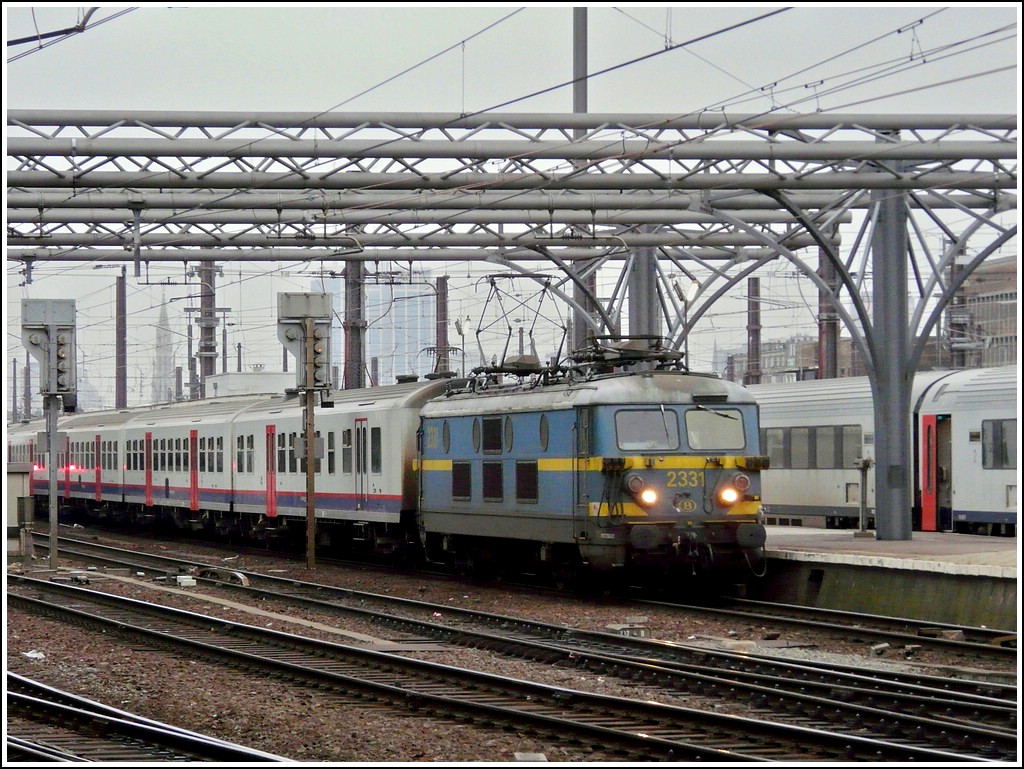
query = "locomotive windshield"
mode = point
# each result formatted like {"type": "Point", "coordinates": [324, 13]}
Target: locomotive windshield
{"type": "Point", "coordinates": [714, 430]}
{"type": "Point", "coordinates": [647, 430]}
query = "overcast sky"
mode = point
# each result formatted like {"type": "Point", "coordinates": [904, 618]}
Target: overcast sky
{"type": "Point", "coordinates": [476, 57]}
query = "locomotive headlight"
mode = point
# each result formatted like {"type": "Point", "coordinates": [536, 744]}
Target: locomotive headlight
{"type": "Point", "coordinates": [634, 484]}
{"type": "Point", "coordinates": [728, 496]}
{"type": "Point", "coordinates": [641, 492]}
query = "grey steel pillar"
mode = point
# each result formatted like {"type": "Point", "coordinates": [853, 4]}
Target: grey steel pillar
{"type": "Point", "coordinates": [27, 392]}
{"type": "Point", "coordinates": [893, 374]}
{"type": "Point", "coordinates": [580, 326]}
{"type": "Point", "coordinates": [828, 321]}
{"type": "Point", "coordinates": [14, 390]}
{"type": "Point", "coordinates": [753, 373]}
{"type": "Point", "coordinates": [644, 308]}
{"type": "Point", "coordinates": [355, 326]}
{"type": "Point", "coordinates": [207, 324]}
{"type": "Point", "coordinates": [121, 345]}
{"type": "Point", "coordinates": [443, 350]}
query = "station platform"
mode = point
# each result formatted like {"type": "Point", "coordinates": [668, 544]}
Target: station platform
{"type": "Point", "coordinates": [934, 576]}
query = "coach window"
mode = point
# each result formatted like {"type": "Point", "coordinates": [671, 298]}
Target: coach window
{"type": "Point", "coordinates": [250, 452]}
{"type": "Point", "coordinates": [851, 445]}
{"type": "Point", "coordinates": [282, 453]}
{"type": "Point", "coordinates": [240, 454]}
{"type": "Point", "coordinates": [825, 447]}
{"type": "Point", "coordinates": [202, 454]}
{"type": "Point", "coordinates": [330, 453]}
{"type": "Point", "coordinates": [998, 444]}
{"type": "Point", "coordinates": [317, 462]}
{"type": "Point", "coordinates": [375, 450]}
{"type": "Point", "coordinates": [800, 448]}
{"type": "Point", "coordinates": [293, 460]}
{"type": "Point", "coordinates": [774, 445]}
{"type": "Point", "coordinates": [346, 451]}
{"type": "Point", "coordinates": [220, 453]}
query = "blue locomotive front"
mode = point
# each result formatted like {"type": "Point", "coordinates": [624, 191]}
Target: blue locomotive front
{"type": "Point", "coordinates": [653, 470]}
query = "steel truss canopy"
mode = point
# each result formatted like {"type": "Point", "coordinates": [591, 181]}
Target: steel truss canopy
{"type": "Point", "coordinates": [643, 198]}
{"type": "Point", "coordinates": [725, 189]}
{"type": "Point", "coordinates": [623, 193]}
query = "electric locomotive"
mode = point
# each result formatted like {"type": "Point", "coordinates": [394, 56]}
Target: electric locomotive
{"type": "Point", "coordinates": [650, 470]}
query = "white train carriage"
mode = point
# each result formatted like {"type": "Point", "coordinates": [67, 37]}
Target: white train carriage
{"type": "Point", "coordinates": [967, 430]}
{"type": "Point", "coordinates": [816, 433]}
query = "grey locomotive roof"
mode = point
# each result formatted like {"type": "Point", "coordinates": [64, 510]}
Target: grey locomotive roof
{"type": "Point", "coordinates": [655, 387]}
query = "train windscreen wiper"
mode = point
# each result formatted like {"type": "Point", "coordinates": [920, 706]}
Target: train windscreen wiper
{"type": "Point", "coordinates": [712, 411]}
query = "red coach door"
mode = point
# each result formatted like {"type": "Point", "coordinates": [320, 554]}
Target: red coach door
{"type": "Point", "coordinates": [193, 470]}
{"type": "Point", "coordinates": [98, 461]}
{"type": "Point", "coordinates": [929, 473]}
{"type": "Point", "coordinates": [148, 459]}
{"type": "Point", "coordinates": [271, 471]}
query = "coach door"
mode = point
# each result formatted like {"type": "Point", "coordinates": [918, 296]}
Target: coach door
{"type": "Point", "coordinates": [193, 470]}
{"type": "Point", "coordinates": [148, 459]}
{"type": "Point", "coordinates": [271, 471]}
{"type": "Point", "coordinates": [98, 457]}
{"type": "Point", "coordinates": [362, 476]}
{"type": "Point", "coordinates": [936, 473]}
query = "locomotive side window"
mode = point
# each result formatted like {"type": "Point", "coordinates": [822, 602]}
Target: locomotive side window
{"type": "Point", "coordinates": [508, 433]}
{"type": "Point", "coordinates": [494, 482]}
{"type": "Point", "coordinates": [544, 432]}
{"type": "Point", "coordinates": [492, 435]}
{"type": "Point", "coordinates": [462, 481]}
{"type": "Point", "coordinates": [476, 435]}
{"type": "Point", "coordinates": [647, 430]}
{"type": "Point", "coordinates": [998, 444]}
{"type": "Point", "coordinates": [714, 430]}
{"type": "Point", "coordinates": [526, 481]}
{"type": "Point", "coordinates": [446, 437]}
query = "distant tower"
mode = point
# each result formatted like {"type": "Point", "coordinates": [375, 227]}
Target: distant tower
{"type": "Point", "coordinates": [163, 360]}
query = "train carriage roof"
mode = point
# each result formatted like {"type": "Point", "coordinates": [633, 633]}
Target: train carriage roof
{"type": "Point", "coordinates": [974, 389]}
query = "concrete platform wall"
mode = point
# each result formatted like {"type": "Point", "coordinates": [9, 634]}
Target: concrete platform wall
{"type": "Point", "coordinates": [929, 596]}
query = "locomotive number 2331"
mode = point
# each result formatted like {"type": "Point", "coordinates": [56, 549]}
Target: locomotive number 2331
{"type": "Point", "coordinates": [683, 479]}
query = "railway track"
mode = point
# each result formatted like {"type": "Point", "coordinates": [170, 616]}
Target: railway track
{"type": "Point", "coordinates": [46, 724]}
{"type": "Point", "coordinates": [987, 642]}
{"type": "Point", "coordinates": [950, 712]}
{"type": "Point", "coordinates": [627, 727]}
